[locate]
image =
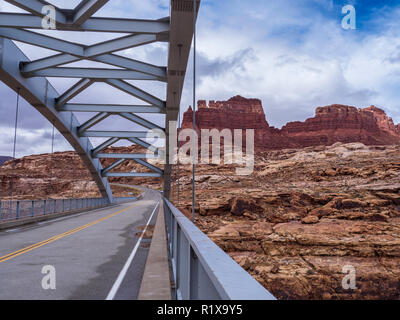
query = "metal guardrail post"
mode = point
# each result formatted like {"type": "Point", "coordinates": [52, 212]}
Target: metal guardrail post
{"type": "Point", "coordinates": [200, 268]}
{"type": "Point", "coordinates": [26, 208]}
{"type": "Point", "coordinates": [17, 211]}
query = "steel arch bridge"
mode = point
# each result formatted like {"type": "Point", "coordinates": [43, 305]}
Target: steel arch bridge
{"type": "Point", "coordinates": [29, 77]}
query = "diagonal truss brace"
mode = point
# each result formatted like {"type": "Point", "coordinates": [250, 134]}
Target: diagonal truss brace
{"type": "Point", "coordinates": [117, 25]}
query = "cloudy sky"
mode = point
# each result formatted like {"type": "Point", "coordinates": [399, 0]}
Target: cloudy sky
{"type": "Point", "coordinates": [292, 54]}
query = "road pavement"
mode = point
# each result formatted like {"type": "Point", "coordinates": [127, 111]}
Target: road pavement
{"type": "Point", "coordinates": [94, 255]}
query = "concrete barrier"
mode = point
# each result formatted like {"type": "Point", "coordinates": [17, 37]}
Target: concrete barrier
{"type": "Point", "coordinates": [156, 284]}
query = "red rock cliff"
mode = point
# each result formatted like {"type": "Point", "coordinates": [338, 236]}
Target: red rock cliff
{"type": "Point", "coordinates": [236, 113]}
{"type": "Point", "coordinates": [331, 124]}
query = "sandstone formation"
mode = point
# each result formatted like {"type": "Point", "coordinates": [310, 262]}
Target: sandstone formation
{"type": "Point", "coordinates": [294, 224]}
{"type": "Point", "coordinates": [331, 124]}
{"type": "Point", "coordinates": [63, 175]}
{"type": "Point", "coordinates": [304, 215]}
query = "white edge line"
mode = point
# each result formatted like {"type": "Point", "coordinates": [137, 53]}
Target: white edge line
{"type": "Point", "coordinates": [124, 270]}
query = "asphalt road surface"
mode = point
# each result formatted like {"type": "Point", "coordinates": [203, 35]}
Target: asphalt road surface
{"type": "Point", "coordinates": [94, 255]}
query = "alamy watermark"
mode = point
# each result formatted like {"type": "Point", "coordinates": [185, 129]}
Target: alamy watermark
{"type": "Point", "coordinates": [49, 280]}
{"type": "Point", "coordinates": [49, 19]}
{"type": "Point", "coordinates": [194, 142]}
{"type": "Point", "coordinates": [349, 280]}
{"type": "Point", "coordinates": [349, 21]}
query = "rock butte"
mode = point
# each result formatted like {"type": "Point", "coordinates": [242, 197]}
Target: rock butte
{"type": "Point", "coordinates": [331, 124]}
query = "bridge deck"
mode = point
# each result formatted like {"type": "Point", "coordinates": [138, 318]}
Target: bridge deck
{"type": "Point", "coordinates": [87, 262]}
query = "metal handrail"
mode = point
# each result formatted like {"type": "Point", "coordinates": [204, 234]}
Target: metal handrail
{"type": "Point", "coordinates": [20, 209]}
{"type": "Point", "coordinates": [201, 270]}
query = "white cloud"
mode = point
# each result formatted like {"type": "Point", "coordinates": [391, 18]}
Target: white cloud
{"type": "Point", "coordinates": [314, 62]}
{"type": "Point", "coordinates": [288, 53]}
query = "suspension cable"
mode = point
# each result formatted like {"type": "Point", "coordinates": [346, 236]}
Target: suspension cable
{"type": "Point", "coordinates": [51, 160]}
{"type": "Point", "coordinates": [179, 118]}
{"type": "Point", "coordinates": [194, 106]}
{"type": "Point", "coordinates": [172, 184]}
{"type": "Point", "coordinates": [15, 145]}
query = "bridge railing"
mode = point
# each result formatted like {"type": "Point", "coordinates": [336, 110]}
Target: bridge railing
{"type": "Point", "coordinates": [120, 200]}
{"type": "Point", "coordinates": [201, 270]}
{"type": "Point", "coordinates": [21, 209]}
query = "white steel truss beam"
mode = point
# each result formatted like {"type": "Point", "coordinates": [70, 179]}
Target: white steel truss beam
{"type": "Point", "coordinates": [110, 108]}
{"type": "Point", "coordinates": [75, 49]}
{"type": "Point", "coordinates": [36, 6]}
{"type": "Point", "coordinates": [74, 91]}
{"type": "Point", "coordinates": [86, 9]}
{"type": "Point", "coordinates": [93, 73]}
{"type": "Point", "coordinates": [126, 156]}
{"type": "Point", "coordinates": [104, 145]}
{"type": "Point", "coordinates": [149, 166]}
{"type": "Point", "coordinates": [136, 92]}
{"type": "Point", "coordinates": [132, 175]}
{"type": "Point", "coordinates": [130, 41]}
{"type": "Point", "coordinates": [137, 26]}
{"type": "Point", "coordinates": [113, 166]}
{"type": "Point", "coordinates": [139, 161]}
{"type": "Point", "coordinates": [140, 121]}
{"type": "Point", "coordinates": [43, 41]}
{"type": "Point", "coordinates": [93, 121]}
{"type": "Point", "coordinates": [111, 59]}
{"type": "Point", "coordinates": [115, 134]}
{"type": "Point", "coordinates": [143, 144]}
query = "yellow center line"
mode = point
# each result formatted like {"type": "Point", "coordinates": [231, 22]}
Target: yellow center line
{"type": "Point", "coordinates": [62, 235]}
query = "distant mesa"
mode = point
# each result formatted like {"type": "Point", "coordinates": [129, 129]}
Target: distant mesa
{"type": "Point", "coordinates": [331, 124]}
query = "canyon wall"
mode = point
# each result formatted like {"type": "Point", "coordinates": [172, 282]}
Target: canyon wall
{"type": "Point", "coordinates": [63, 175]}
{"type": "Point", "coordinates": [331, 124]}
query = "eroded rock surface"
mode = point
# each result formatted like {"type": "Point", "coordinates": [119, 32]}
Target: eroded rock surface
{"type": "Point", "coordinates": [306, 214]}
